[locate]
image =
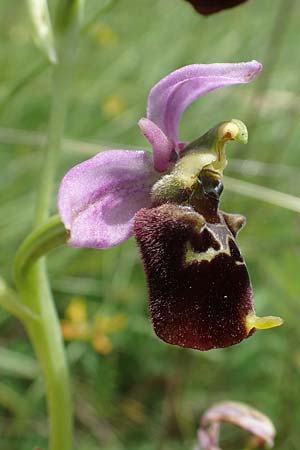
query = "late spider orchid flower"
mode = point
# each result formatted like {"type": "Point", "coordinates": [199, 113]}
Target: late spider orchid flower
{"type": "Point", "coordinates": [200, 291]}
{"type": "Point", "coordinates": [207, 7]}
{"type": "Point", "coordinates": [98, 198]}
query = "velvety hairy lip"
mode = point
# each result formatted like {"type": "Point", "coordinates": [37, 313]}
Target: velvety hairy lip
{"type": "Point", "coordinates": [194, 302]}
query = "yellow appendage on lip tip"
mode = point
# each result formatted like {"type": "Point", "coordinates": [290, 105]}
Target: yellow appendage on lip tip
{"type": "Point", "coordinates": [262, 323]}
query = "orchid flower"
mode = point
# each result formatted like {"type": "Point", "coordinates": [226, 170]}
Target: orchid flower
{"type": "Point", "coordinates": [200, 291]}
{"type": "Point", "coordinates": [207, 7]}
{"type": "Point", "coordinates": [98, 198]}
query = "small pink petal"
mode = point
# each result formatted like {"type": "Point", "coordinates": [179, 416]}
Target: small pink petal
{"type": "Point", "coordinates": [98, 198]}
{"type": "Point", "coordinates": [173, 94]}
{"type": "Point", "coordinates": [161, 145]}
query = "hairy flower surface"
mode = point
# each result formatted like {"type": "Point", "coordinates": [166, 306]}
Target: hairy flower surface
{"type": "Point", "coordinates": [200, 291]}
{"type": "Point", "coordinates": [207, 7]}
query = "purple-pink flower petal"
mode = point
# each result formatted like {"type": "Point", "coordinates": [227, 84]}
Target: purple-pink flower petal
{"type": "Point", "coordinates": [161, 145]}
{"type": "Point", "coordinates": [99, 197]}
{"type": "Point", "coordinates": [174, 93]}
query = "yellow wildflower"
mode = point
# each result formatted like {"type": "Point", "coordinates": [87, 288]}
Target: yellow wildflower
{"type": "Point", "coordinates": [113, 106]}
{"type": "Point", "coordinates": [104, 35]}
{"type": "Point", "coordinates": [76, 310]}
{"type": "Point", "coordinates": [77, 326]}
{"type": "Point", "coordinates": [102, 344]}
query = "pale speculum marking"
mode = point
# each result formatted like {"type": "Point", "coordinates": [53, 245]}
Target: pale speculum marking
{"type": "Point", "coordinates": [221, 238]}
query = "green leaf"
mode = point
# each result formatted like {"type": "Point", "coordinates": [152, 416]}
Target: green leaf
{"type": "Point", "coordinates": [10, 301]}
{"type": "Point", "coordinates": [17, 364]}
{"type": "Point", "coordinates": [263, 193]}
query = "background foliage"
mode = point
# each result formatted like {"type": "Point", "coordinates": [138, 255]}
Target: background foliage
{"type": "Point", "coordinates": [143, 394]}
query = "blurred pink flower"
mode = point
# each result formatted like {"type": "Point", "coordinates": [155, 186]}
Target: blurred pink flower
{"type": "Point", "coordinates": [239, 414]}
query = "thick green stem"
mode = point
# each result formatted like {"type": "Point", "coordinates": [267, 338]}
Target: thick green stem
{"type": "Point", "coordinates": [45, 336]}
{"type": "Point", "coordinates": [31, 275]}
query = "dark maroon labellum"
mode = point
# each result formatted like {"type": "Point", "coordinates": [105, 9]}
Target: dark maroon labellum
{"type": "Point", "coordinates": [207, 7]}
{"type": "Point", "coordinates": [200, 291]}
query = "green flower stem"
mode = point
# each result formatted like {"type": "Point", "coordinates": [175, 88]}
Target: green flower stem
{"type": "Point", "coordinates": [31, 274]}
{"type": "Point", "coordinates": [46, 339]}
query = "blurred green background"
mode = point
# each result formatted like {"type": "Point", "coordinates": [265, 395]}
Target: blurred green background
{"type": "Point", "coordinates": [137, 392]}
